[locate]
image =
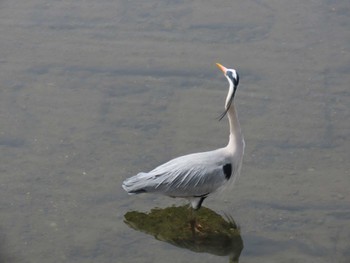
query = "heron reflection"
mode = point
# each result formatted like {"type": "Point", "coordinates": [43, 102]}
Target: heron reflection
{"type": "Point", "coordinates": [217, 235]}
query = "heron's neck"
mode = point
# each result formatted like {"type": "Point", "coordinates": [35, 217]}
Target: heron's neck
{"type": "Point", "coordinates": [235, 129]}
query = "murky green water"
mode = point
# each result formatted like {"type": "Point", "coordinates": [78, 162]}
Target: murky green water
{"type": "Point", "coordinates": [94, 92]}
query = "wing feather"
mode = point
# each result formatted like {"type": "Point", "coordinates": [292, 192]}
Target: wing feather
{"type": "Point", "coordinates": [190, 175]}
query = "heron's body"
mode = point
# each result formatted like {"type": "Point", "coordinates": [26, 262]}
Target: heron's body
{"type": "Point", "coordinates": [196, 175]}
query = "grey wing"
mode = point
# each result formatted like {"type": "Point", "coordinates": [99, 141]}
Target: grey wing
{"type": "Point", "coordinates": [189, 176]}
{"type": "Point", "coordinates": [196, 182]}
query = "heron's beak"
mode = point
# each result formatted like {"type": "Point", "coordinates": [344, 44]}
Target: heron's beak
{"type": "Point", "coordinates": [221, 67]}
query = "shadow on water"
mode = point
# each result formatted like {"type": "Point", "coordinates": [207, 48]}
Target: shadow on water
{"type": "Point", "coordinates": [217, 236]}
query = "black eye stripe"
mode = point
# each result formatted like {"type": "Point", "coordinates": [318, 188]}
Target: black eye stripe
{"type": "Point", "coordinates": [234, 80]}
{"type": "Point", "coordinates": [237, 79]}
{"type": "Point", "coordinates": [229, 74]}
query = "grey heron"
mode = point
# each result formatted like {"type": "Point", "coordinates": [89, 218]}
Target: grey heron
{"type": "Point", "coordinates": [195, 176]}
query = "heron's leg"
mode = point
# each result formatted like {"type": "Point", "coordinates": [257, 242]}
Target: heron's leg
{"type": "Point", "coordinates": [193, 221]}
{"type": "Point", "coordinates": [195, 204]}
{"type": "Point", "coordinates": [195, 226]}
{"type": "Point", "coordinates": [196, 201]}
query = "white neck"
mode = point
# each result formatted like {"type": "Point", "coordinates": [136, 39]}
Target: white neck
{"type": "Point", "coordinates": [236, 137]}
{"type": "Point", "coordinates": [235, 128]}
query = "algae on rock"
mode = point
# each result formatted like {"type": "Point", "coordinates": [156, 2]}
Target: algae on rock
{"type": "Point", "coordinates": [216, 235]}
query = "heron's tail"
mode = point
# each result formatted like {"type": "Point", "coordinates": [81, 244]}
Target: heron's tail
{"type": "Point", "coordinates": [135, 184]}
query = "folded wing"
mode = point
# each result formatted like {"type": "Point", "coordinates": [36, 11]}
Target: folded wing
{"type": "Point", "coordinates": [193, 175]}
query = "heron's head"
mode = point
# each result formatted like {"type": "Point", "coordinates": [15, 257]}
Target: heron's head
{"type": "Point", "coordinates": [233, 79]}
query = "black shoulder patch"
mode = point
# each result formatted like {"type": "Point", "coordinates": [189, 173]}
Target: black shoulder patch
{"type": "Point", "coordinates": [227, 168]}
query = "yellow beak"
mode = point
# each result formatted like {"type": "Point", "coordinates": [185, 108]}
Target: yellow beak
{"type": "Point", "coordinates": [221, 67]}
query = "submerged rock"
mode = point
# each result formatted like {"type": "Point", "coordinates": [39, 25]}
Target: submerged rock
{"type": "Point", "coordinates": [215, 235]}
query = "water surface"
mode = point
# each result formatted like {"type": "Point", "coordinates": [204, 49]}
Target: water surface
{"type": "Point", "coordinates": [93, 92]}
